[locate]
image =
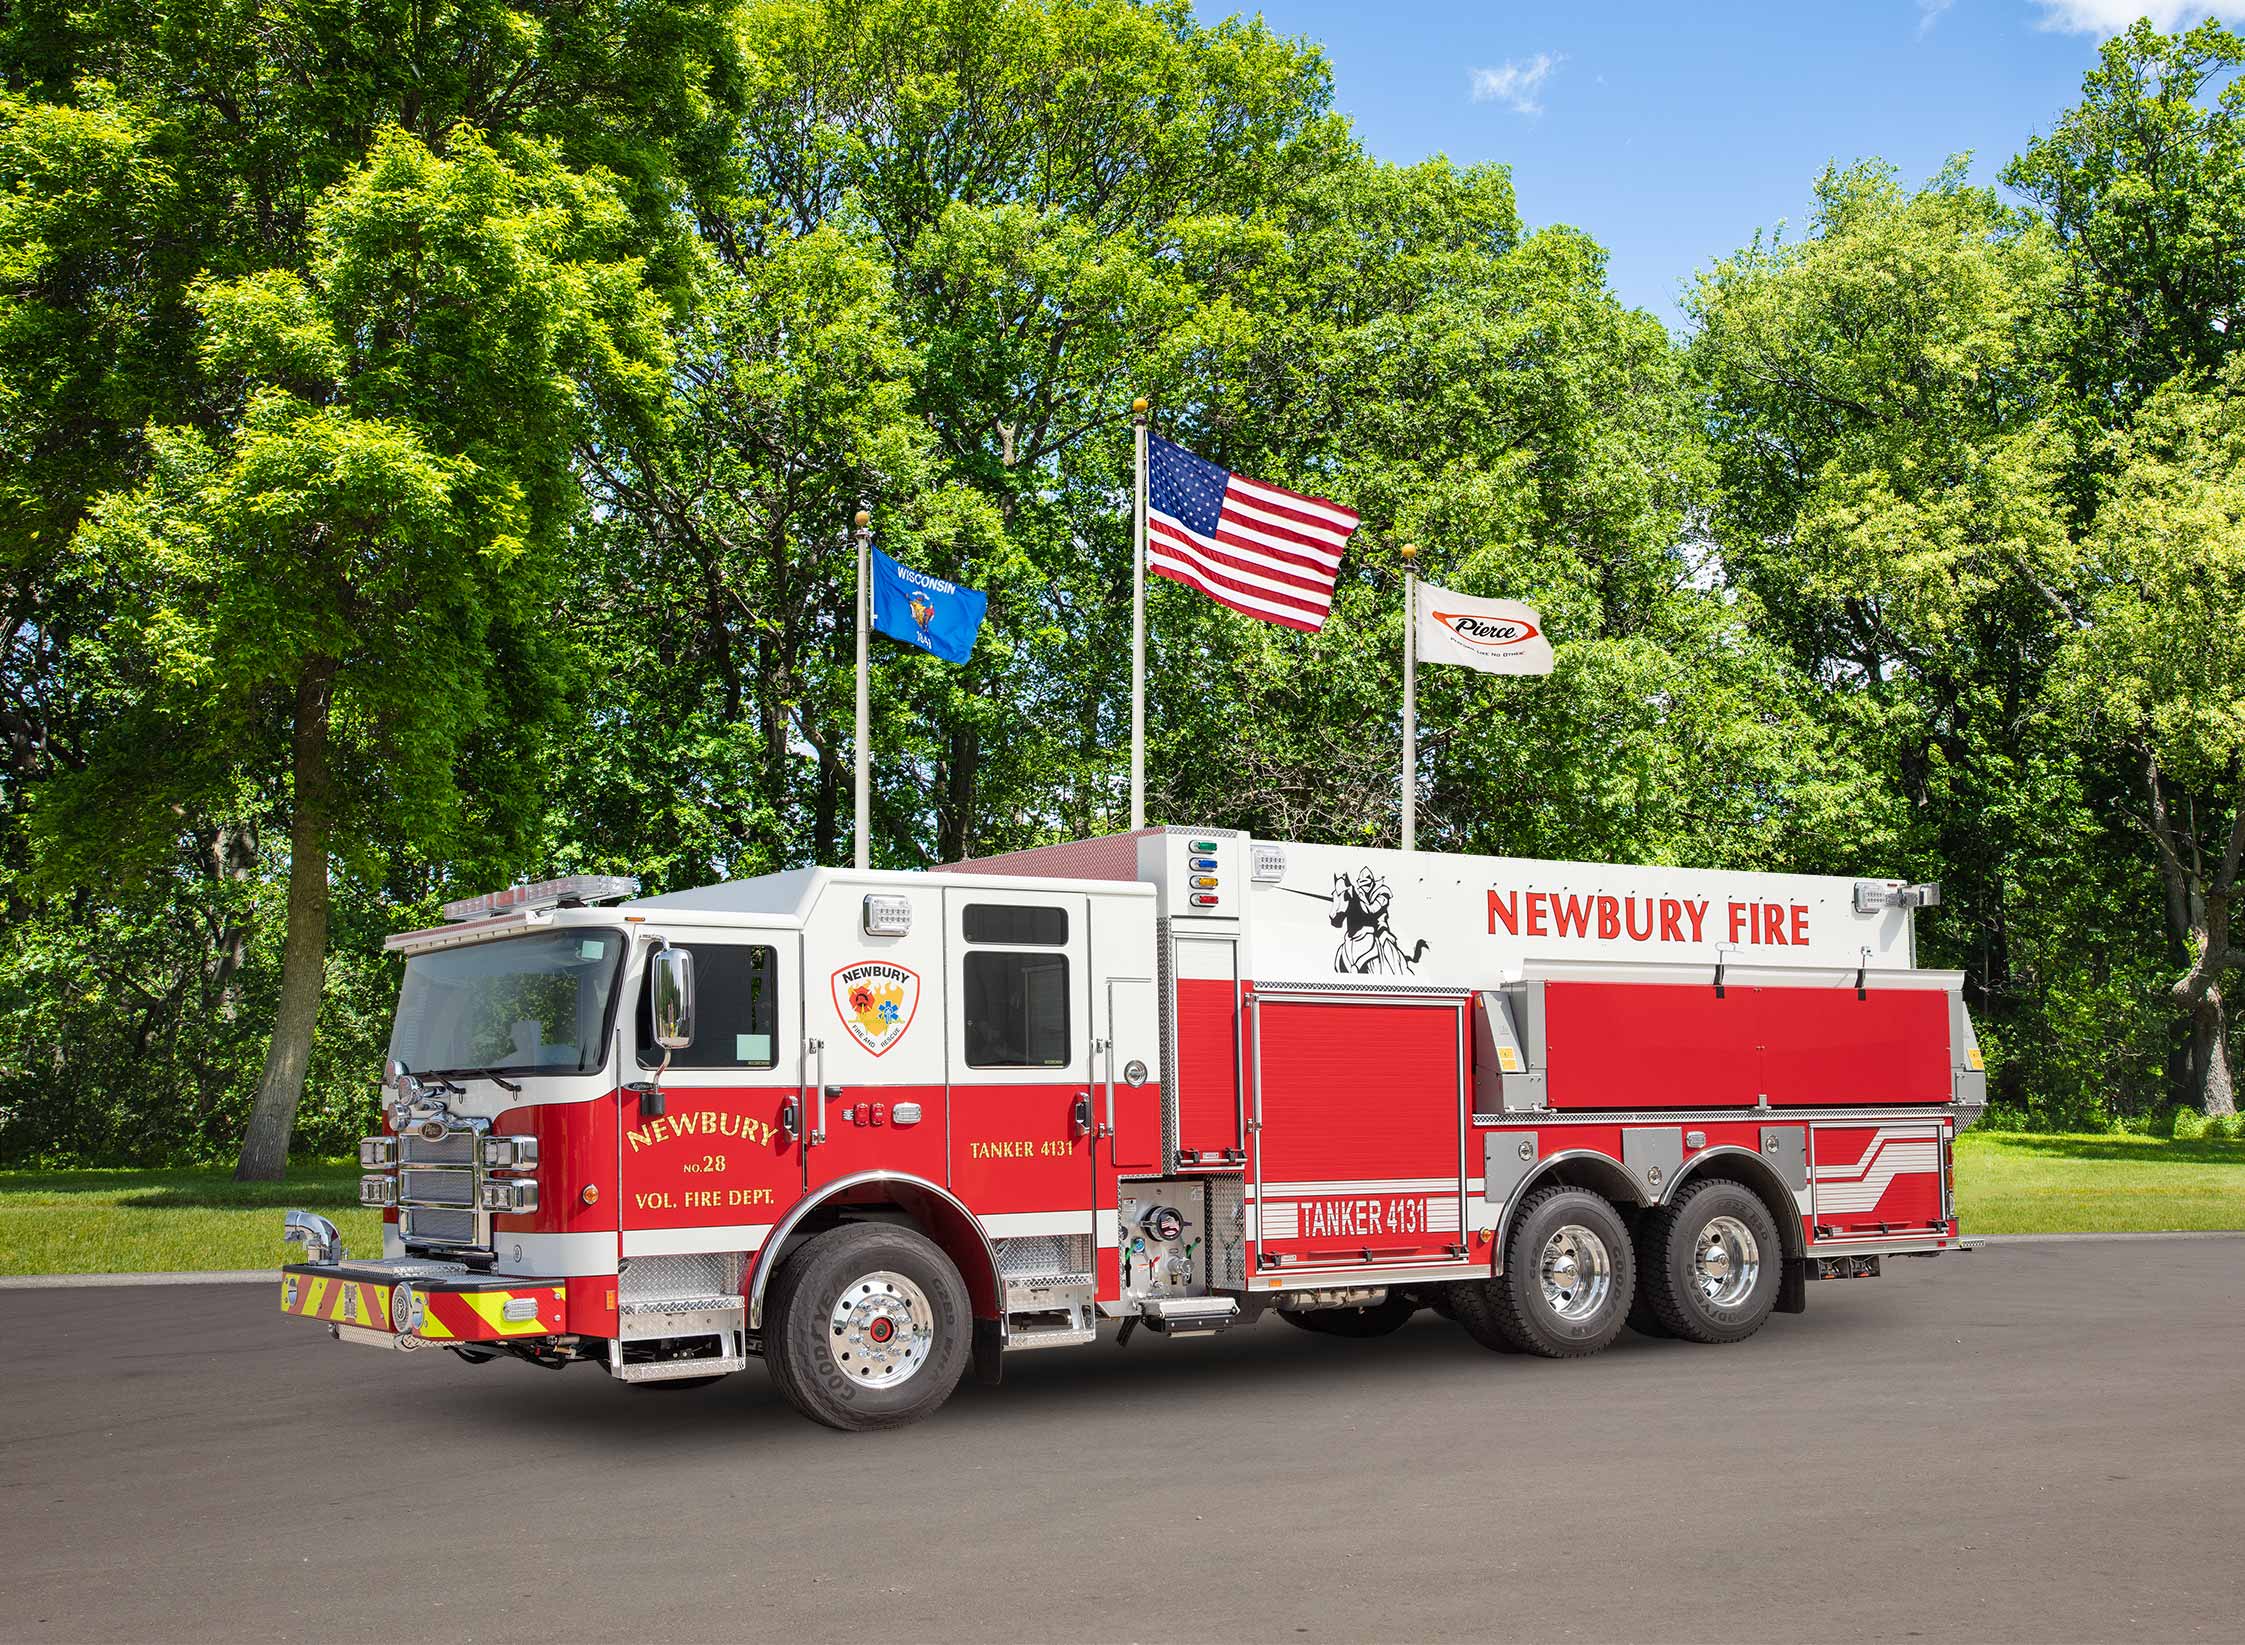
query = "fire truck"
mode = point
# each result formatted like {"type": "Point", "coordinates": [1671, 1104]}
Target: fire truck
{"type": "Point", "coordinates": [877, 1128]}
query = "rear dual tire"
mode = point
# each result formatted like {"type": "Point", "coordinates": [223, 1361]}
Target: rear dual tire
{"type": "Point", "coordinates": [1712, 1263]}
{"type": "Point", "coordinates": [1569, 1274]}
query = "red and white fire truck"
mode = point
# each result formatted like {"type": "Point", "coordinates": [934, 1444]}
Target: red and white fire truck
{"type": "Point", "coordinates": [877, 1127]}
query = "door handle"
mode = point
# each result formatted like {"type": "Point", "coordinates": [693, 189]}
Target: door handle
{"type": "Point", "coordinates": [1106, 1050]}
{"type": "Point", "coordinates": [791, 1118]}
{"type": "Point", "coordinates": [1079, 1119]}
{"type": "Point", "coordinates": [817, 1049]}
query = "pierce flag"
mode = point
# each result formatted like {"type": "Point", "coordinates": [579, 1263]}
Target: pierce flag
{"type": "Point", "coordinates": [925, 611]}
{"type": "Point", "coordinates": [1495, 636]}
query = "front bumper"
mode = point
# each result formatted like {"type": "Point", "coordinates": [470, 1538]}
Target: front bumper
{"type": "Point", "coordinates": [410, 1303]}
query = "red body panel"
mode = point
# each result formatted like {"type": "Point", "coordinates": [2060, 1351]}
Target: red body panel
{"type": "Point", "coordinates": [716, 1155]}
{"type": "Point", "coordinates": [1358, 1155]}
{"type": "Point", "coordinates": [576, 1149]}
{"type": "Point", "coordinates": [1671, 1045]}
{"type": "Point", "coordinates": [1016, 1148]}
{"type": "Point", "coordinates": [1208, 1060]}
{"type": "Point", "coordinates": [1876, 1180]}
{"type": "Point", "coordinates": [857, 1140]}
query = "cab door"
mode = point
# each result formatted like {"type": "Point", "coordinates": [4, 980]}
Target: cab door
{"type": "Point", "coordinates": [1018, 990]}
{"type": "Point", "coordinates": [709, 1161]}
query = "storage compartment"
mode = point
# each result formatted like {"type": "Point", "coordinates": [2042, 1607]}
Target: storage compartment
{"type": "Point", "coordinates": [1876, 1181]}
{"type": "Point", "coordinates": [1360, 1158]}
{"type": "Point", "coordinates": [1681, 1045]}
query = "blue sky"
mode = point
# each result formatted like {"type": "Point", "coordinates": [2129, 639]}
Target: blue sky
{"type": "Point", "coordinates": [1671, 131]}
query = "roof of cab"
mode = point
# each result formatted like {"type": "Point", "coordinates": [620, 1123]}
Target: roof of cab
{"type": "Point", "coordinates": [789, 895]}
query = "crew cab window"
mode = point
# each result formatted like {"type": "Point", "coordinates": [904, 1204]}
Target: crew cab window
{"type": "Point", "coordinates": [1016, 1008]}
{"type": "Point", "coordinates": [736, 1009]}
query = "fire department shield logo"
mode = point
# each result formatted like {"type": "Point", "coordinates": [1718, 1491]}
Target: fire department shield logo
{"type": "Point", "coordinates": [876, 1001]}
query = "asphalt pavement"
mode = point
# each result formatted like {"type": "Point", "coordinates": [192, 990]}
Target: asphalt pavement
{"type": "Point", "coordinates": [2030, 1442]}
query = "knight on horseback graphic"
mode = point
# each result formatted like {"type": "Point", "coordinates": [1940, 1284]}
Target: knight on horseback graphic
{"type": "Point", "coordinates": [1368, 944]}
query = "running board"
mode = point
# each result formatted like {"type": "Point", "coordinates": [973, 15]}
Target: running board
{"type": "Point", "coordinates": [1188, 1316]}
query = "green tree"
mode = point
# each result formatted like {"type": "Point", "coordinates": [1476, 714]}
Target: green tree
{"type": "Point", "coordinates": [352, 573]}
{"type": "Point", "coordinates": [2157, 666]}
{"type": "Point", "coordinates": [2143, 186]}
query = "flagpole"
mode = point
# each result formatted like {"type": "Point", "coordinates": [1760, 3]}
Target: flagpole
{"type": "Point", "coordinates": [864, 536]}
{"type": "Point", "coordinates": [1410, 551]}
{"type": "Point", "coordinates": [1138, 625]}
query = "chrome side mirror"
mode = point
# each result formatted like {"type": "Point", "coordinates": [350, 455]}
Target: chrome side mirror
{"type": "Point", "coordinates": [672, 991]}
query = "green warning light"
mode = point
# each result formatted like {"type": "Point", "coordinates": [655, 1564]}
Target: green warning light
{"type": "Point", "coordinates": [1204, 845]}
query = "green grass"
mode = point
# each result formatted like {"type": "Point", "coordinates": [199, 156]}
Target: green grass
{"type": "Point", "coordinates": [112, 1222]}
{"type": "Point", "coordinates": [2013, 1183]}
{"type": "Point", "coordinates": [96, 1222]}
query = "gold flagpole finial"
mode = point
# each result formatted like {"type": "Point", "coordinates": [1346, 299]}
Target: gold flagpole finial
{"type": "Point", "coordinates": [1138, 408]}
{"type": "Point", "coordinates": [863, 519]}
{"type": "Point", "coordinates": [1409, 551]}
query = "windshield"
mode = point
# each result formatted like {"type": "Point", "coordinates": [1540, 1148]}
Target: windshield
{"type": "Point", "coordinates": [525, 1005]}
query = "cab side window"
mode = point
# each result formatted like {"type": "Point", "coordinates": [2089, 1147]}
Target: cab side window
{"type": "Point", "coordinates": [736, 1009]}
{"type": "Point", "coordinates": [1015, 1003]}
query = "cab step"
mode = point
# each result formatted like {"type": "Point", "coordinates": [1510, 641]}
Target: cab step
{"type": "Point", "coordinates": [1189, 1316]}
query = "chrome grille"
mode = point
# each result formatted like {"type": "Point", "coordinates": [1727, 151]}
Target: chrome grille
{"type": "Point", "coordinates": [453, 1148]}
{"type": "Point", "coordinates": [440, 1227]}
{"type": "Point", "coordinates": [426, 1187]}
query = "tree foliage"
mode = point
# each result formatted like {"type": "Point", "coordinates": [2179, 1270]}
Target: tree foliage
{"type": "Point", "coordinates": [428, 439]}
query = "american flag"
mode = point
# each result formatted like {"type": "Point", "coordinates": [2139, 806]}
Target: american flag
{"type": "Point", "coordinates": [1257, 548]}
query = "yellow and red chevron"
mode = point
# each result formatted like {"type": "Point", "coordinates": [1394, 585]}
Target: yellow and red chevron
{"type": "Point", "coordinates": [446, 1316]}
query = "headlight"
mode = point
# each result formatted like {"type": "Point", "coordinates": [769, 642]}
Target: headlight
{"type": "Point", "coordinates": [378, 1153]}
{"type": "Point", "coordinates": [510, 1196]}
{"type": "Point", "coordinates": [510, 1153]}
{"type": "Point", "coordinates": [378, 1190]}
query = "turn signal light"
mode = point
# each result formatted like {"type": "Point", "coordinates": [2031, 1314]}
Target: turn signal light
{"type": "Point", "coordinates": [591, 1194]}
{"type": "Point", "coordinates": [510, 1153]}
{"type": "Point", "coordinates": [510, 1196]}
{"type": "Point", "coordinates": [377, 1153]}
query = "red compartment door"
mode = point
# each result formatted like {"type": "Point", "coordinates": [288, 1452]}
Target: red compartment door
{"type": "Point", "coordinates": [1679, 1045]}
{"type": "Point", "coordinates": [1869, 1181]}
{"type": "Point", "coordinates": [1360, 1156]}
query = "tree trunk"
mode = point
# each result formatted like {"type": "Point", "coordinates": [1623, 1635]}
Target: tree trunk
{"type": "Point", "coordinates": [304, 950]}
{"type": "Point", "coordinates": [2217, 1091]}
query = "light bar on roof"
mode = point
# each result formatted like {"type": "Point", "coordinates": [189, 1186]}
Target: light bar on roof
{"type": "Point", "coordinates": [570, 888]}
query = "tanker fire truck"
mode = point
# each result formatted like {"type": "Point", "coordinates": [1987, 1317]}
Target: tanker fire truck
{"type": "Point", "coordinates": [875, 1128]}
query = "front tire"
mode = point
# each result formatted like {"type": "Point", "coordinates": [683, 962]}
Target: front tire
{"type": "Point", "coordinates": [1569, 1274]}
{"type": "Point", "coordinates": [868, 1327]}
{"type": "Point", "coordinates": [1713, 1264]}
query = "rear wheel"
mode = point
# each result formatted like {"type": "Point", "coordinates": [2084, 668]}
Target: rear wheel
{"type": "Point", "coordinates": [867, 1327]}
{"type": "Point", "coordinates": [1374, 1320]}
{"type": "Point", "coordinates": [1712, 1267]}
{"type": "Point", "coordinates": [1569, 1273]}
{"type": "Point", "coordinates": [1646, 1232]}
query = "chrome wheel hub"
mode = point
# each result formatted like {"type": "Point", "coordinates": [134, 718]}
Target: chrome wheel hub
{"type": "Point", "coordinates": [1726, 1261]}
{"type": "Point", "coordinates": [882, 1329]}
{"type": "Point", "coordinates": [1577, 1272]}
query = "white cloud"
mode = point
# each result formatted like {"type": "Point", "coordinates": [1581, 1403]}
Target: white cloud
{"type": "Point", "coordinates": [1516, 84]}
{"type": "Point", "coordinates": [1929, 13]}
{"type": "Point", "coordinates": [2111, 16]}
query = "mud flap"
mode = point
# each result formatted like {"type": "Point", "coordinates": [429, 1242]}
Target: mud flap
{"type": "Point", "coordinates": [989, 1352]}
{"type": "Point", "coordinates": [1792, 1286]}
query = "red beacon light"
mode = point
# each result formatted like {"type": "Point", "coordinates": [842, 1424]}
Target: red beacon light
{"type": "Point", "coordinates": [570, 891]}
